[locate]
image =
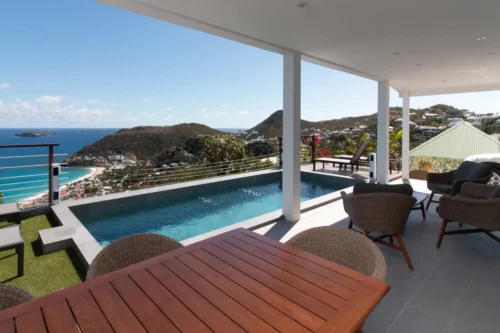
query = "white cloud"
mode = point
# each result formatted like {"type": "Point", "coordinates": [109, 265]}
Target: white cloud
{"type": "Point", "coordinates": [4, 85]}
{"type": "Point", "coordinates": [204, 110]}
{"type": "Point", "coordinates": [147, 114]}
{"type": "Point", "coordinates": [222, 112]}
{"type": "Point", "coordinates": [170, 108]}
{"type": "Point", "coordinates": [224, 105]}
{"type": "Point", "coordinates": [147, 99]}
{"type": "Point", "coordinates": [168, 117]}
{"type": "Point", "coordinates": [93, 101]}
{"type": "Point", "coordinates": [244, 113]}
{"type": "Point", "coordinates": [130, 119]}
{"type": "Point", "coordinates": [48, 99]}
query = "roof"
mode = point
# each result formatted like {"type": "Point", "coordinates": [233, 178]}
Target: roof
{"type": "Point", "coordinates": [459, 141]}
{"type": "Point", "coordinates": [425, 47]}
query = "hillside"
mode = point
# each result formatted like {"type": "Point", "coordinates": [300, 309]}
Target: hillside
{"type": "Point", "coordinates": [145, 141]}
{"type": "Point", "coordinates": [273, 125]}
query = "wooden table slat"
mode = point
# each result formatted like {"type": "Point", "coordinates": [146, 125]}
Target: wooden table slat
{"type": "Point", "coordinates": [7, 326]}
{"type": "Point", "coordinates": [59, 318]}
{"type": "Point", "coordinates": [203, 309]}
{"type": "Point", "coordinates": [234, 310]}
{"type": "Point", "coordinates": [31, 322]}
{"type": "Point", "coordinates": [87, 313]}
{"type": "Point", "coordinates": [352, 274]}
{"type": "Point", "coordinates": [121, 318]}
{"type": "Point", "coordinates": [177, 312]}
{"type": "Point", "coordinates": [307, 302]}
{"type": "Point", "coordinates": [145, 310]}
{"type": "Point", "coordinates": [282, 253]}
{"type": "Point", "coordinates": [310, 276]}
{"type": "Point", "coordinates": [308, 288]}
{"type": "Point", "coordinates": [291, 309]}
{"type": "Point", "coordinates": [263, 310]}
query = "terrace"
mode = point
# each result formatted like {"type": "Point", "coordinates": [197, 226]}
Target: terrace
{"type": "Point", "coordinates": [453, 289]}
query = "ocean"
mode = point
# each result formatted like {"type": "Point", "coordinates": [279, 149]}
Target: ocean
{"type": "Point", "coordinates": [69, 140]}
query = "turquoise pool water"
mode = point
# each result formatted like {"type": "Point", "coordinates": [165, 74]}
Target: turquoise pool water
{"type": "Point", "coordinates": [188, 216]}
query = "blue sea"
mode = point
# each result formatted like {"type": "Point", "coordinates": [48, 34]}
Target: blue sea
{"type": "Point", "coordinates": [35, 179]}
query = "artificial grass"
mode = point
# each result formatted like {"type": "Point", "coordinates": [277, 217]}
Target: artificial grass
{"type": "Point", "coordinates": [43, 273]}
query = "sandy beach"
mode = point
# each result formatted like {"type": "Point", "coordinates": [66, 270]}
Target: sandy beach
{"type": "Point", "coordinates": [94, 172]}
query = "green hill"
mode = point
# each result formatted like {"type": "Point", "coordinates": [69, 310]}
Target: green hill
{"type": "Point", "coordinates": [273, 125]}
{"type": "Point", "coordinates": [145, 141]}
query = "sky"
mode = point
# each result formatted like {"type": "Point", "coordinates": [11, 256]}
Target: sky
{"type": "Point", "coordinates": [83, 64]}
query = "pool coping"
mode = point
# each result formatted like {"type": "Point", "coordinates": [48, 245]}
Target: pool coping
{"type": "Point", "coordinates": [71, 233]}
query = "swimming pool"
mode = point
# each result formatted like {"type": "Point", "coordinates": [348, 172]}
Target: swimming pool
{"type": "Point", "coordinates": [187, 213]}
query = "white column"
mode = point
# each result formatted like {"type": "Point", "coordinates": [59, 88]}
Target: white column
{"type": "Point", "coordinates": [291, 136]}
{"type": "Point", "coordinates": [383, 132]}
{"type": "Point", "coordinates": [406, 135]}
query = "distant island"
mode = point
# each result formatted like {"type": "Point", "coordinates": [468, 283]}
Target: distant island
{"type": "Point", "coordinates": [34, 134]}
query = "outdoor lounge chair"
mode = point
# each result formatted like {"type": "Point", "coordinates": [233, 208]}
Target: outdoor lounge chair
{"type": "Point", "coordinates": [343, 247]}
{"type": "Point", "coordinates": [344, 162]}
{"type": "Point", "coordinates": [381, 209]}
{"type": "Point", "coordinates": [450, 183]}
{"type": "Point", "coordinates": [11, 296]}
{"type": "Point", "coordinates": [130, 250]}
{"type": "Point", "coordinates": [477, 205]}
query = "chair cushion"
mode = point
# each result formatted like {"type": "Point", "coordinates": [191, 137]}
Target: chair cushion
{"type": "Point", "coordinates": [439, 188]}
{"type": "Point", "coordinates": [495, 179]}
{"type": "Point", "coordinates": [471, 170]}
{"type": "Point", "coordinates": [360, 188]}
{"type": "Point", "coordinates": [495, 194]}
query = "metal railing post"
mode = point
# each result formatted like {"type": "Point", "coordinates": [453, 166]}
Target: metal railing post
{"type": "Point", "coordinates": [51, 161]}
{"type": "Point", "coordinates": [313, 148]}
{"type": "Point", "coordinates": [280, 150]}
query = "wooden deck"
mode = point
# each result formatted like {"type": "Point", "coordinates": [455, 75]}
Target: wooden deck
{"type": "Point", "coordinates": [236, 282]}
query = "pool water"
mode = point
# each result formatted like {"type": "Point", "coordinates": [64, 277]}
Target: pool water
{"type": "Point", "coordinates": [186, 217]}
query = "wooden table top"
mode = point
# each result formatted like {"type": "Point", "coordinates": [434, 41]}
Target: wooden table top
{"type": "Point", "coordinates": [235, 282]}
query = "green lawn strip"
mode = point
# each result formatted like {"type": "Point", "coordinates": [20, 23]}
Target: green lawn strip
{"type": "Point", "coordinates": [43, 273]}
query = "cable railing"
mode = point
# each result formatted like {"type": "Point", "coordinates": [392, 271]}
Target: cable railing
{"type": "Point", "coordinates": [134, 178]}
{"type": "Point", "coordinates": [21, 181]}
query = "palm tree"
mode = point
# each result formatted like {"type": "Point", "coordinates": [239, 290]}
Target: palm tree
{"type": "Point", "coordinates": [395, 144]}
{"type": "Point", "coordinates": [1, 198]}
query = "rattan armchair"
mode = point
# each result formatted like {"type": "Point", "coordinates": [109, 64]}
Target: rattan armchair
{"type": "Point", "coordinates": [11, 296]}
{"type": "Point", "coordinates": [450, 183]}
{"type": "Point", "coordinates": [477, 205]}
{"type": "Point", "coordinates": [385, 214]}
{"type": "Point", "coordinates": [344, 247]}
{"type": "Point", "coordinates": [128, 251]}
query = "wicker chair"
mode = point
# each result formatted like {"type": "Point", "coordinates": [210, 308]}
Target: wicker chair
{"type": "Point", "coordinates": [450, 183]}
{"type": "Point", "coordinates": [383, 213]}
{"type": "Point", "coordinates": [344, 247]}
{"type": "Point", "coordinates": [128, 251]}
{"type": "Point", "coordinates": [477, 205]}
{"type": "Point", "coordinates": [11, 296]}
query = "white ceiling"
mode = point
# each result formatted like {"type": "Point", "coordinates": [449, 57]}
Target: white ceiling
{"type": "Point", "coordinates": [360, 36]}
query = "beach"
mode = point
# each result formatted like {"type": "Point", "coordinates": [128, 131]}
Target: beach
{"type": "Point", "coordinates": [30, 201]}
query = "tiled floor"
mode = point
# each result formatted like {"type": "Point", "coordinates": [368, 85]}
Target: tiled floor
{"type": "Point", "coordinates": [455, 289]}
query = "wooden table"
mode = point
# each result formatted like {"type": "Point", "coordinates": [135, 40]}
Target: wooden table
{"type": "Point", "coordinates": [235, 282]}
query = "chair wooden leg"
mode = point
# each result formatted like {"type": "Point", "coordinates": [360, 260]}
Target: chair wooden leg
{"type": "Point", "coordinates": [441, 233]}
{"type": "Point", "coordinates": [405, 251]}
{"type": "Point", "coordinates": [350, 224]}
{"type": "Point", "coordinates": [429, 201]}
{"type": "Point", "coordinates": [422, 209]}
